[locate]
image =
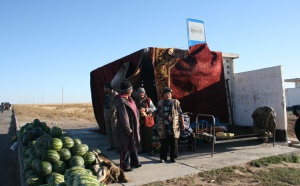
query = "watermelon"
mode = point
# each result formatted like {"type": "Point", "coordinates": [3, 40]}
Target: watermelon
{"type": "Point", "coordinates": [34, 181]}
{"type": "Point", "coordinates": [55, 144]}
{"type": "Point", "coordinates": [64, 134]}
{"type": "Point", "coordinates": [40, 151]}
{"type": "Point", "coordinates": [44, 168]}
{"type": "Point", "coordinates": [85, 179]}
{"type": "Point", "coordinates": [55, 179]}
{"type": "Point", "coordinates": [55, 132]}
{"type": "Point", "coordinates": [31, 143]}
{"type": "Point", "coordinates": [76, 161]}
{"type": "Point", "coordinates": [64, 154]}
{"type": "Point", "coordinates": [34, 163]}
{"type": "Point", "coordinates": [43, 139]}
{"type": "Point", "coordinates": [45, 127]}
{"type": "Point", "coordinates": [31, 135]}
{"type": "Point", "coordinates": [77, 141]}
{"type": "Point", "coordinates": [26, 168]}
{"type": "Point", "coordinates": [79, 150]}
{"type": "Point", "coordinates": [89, 158]}
{"type": "Point", "coordinates": [67, 142]}
{"type": "Point", "coordinates": [51, 156]}
{"type": "Point", "coordinates": [29, 173]}
{"type": "Point", "coordinates": [36, 123]}
{"type": "Point", "coordinates": [59, 167]}
{"type": "Point", "coordinates": [72, 172]}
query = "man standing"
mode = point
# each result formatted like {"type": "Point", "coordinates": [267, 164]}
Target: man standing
{"type": "Point", "coordinates": [110, 117]}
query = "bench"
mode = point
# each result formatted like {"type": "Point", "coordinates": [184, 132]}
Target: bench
{"type": "Point", "coordinates": [208, 132]}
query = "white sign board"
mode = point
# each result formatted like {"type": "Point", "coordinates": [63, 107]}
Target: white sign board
{"type": "Point", "coordinates": [195, 31]}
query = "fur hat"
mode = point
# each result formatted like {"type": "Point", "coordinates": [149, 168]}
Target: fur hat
{"type": "Point", "coordinates": [167, 89]}
{"type": "Point", "coordinates": [125, 87]}
{"type": "Point", "coordinates": [141, 89]}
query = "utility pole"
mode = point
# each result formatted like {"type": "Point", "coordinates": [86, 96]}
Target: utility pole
{"type": "Point", "coordinates": [62, 97]}
{"type": "Point", "coordinates": [42, 98]}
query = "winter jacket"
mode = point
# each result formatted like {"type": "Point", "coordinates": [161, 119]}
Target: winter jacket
{"type": "Point", "coordinates": [127, 122]}
{"type": "Point", "coordinates": [160, 120]}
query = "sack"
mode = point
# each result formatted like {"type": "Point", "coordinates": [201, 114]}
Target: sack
{"type": "Point", "coordinates": [149, 121]}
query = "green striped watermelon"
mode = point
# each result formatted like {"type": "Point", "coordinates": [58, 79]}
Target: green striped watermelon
{"type": "Point", "coordinates": [67, 142]}
{"type": "Point", "coordinates": [55, 132]}
{"type": "Point", "coordinates": [55, 144]}
{"type": "Point", "coordinates": [29, 173]}
{"type": "Point", "coordinates": [59, 167]}
{"type": "Point", "coordinates": [55, 179]}
{"type": "Point", "coordinates": [44, 168]}
{"type": "Point", "coordinates": [34, 181]}
{"type": "Point", "coordinates": [89, 158]}
{"type": "Point", "coordinates": [77, 141]}
{"type": "Point", "coordinates": [72, 172]}
{"type": "Point", "coordinates": [85, 179]}
{"type": "Point", "coordinates": [51, 156]}
{"type": "Point", "coordinates": [64, 154]}
{"type": "Point", "coordinates": [79, 150]}
{"type": "Point", "coordinates": [76, 161]}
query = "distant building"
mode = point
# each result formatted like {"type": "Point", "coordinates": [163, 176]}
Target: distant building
{"type": "Point", "coordinates": [293, 94]}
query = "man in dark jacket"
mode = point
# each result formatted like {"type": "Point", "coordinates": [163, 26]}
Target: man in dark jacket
{"type": "Point", "coordinates": [128, 128]}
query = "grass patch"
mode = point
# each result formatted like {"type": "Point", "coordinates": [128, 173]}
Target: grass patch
{"type": "Point", "coordinates": [279, 176]}
{"type": "Point", "coordinates": [275, 160]}
{"type": "Point", "coordinates": [267, 176]}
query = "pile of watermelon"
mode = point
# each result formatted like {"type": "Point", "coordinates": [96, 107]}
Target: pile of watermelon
{"type": "Point", "coordinates": [52, 157]}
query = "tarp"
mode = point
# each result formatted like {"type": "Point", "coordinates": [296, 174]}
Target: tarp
{"type": "Point", "coordinates": [196, 77]}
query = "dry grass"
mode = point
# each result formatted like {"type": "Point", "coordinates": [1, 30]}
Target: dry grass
{"type": "Point", "coordinates": [69, 111]}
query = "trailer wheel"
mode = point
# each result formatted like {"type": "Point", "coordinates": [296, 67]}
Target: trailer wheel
{"type": "Point", "coordinates": [297, 129]}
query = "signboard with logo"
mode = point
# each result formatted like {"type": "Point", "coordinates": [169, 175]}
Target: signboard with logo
{"type": "Point", "coordinates": [195, 31]}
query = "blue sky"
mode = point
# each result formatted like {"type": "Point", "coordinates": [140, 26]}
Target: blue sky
{"type": "Point", "coordinates": [47, 46]}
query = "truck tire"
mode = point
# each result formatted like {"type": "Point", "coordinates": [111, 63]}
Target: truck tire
{"type": "Point", "coordinates": [297, 129]}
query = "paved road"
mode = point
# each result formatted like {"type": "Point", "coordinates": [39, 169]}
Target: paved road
{"type": "Point", "coordinates": [9, 165]}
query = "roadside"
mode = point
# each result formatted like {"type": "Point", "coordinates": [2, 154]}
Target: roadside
{"type": "Point", "coordinates": [189, 164]}
{"type": "Point", "coordinates": [9, 165]}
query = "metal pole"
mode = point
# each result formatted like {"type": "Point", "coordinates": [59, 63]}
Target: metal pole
{"type": "Point", "coordinates": [62, 96]}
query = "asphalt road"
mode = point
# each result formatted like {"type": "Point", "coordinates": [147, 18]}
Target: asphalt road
{"type": "Point", "coordinates": [9, 165]}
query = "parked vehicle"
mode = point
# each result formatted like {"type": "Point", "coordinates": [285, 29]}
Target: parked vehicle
{"type": "Point", "coordinates": [6, 106]}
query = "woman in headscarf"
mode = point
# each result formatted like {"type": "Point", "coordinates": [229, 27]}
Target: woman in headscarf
{"type": "Point", "coordinates": [146, 108]}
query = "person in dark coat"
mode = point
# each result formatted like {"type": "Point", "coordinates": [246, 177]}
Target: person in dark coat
{"type": "Point", "coordinates": [128, 128]}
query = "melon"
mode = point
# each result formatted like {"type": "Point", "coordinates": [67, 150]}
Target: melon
{"type": "Point", "coordinates": [44, 168]}
{"type": "Point", "coordinates": [64, 154]}
{"type": "Point", "coordinates": [51, 156]}
{"type": "Point", "coordinates": [76, 161]}
{"type": "Point", "coordinates": [55, 132]}
{"type": "Point", "coordinates": [55, 144]}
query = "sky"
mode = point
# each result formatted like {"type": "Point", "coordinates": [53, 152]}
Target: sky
{"type": "Point", "coordinates": [48, 48]}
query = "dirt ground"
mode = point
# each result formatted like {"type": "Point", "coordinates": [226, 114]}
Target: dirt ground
{"type": "Point", "coordinates": [76, 116]}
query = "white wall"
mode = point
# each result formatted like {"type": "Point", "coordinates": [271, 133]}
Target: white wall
{"type": "Point", "coordinates": [253, 89]}
{"type": "Point", "coordinates": [292, 96]}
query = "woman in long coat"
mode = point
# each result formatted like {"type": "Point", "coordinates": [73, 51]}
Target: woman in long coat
{"type": "Point", "coordinates": [128, 128]}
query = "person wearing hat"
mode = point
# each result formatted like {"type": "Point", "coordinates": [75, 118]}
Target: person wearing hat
{"type": "Point", "coordinates": [146, 108]}
{"type": "Point", "coordinates": [128, 128]}
{"type": "Point", "coordinates": [169, 117]}
{"type": "Point", "coordinates": [109, 111]}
